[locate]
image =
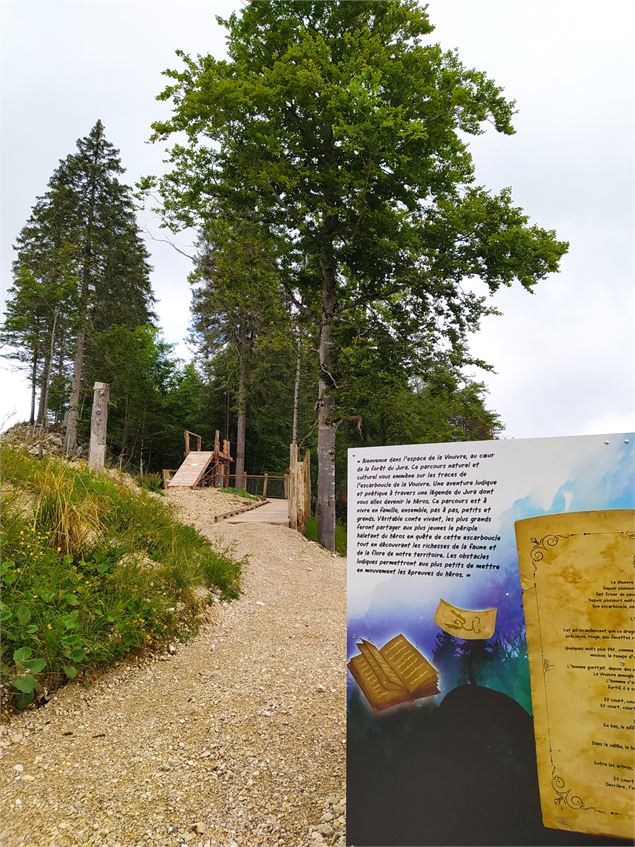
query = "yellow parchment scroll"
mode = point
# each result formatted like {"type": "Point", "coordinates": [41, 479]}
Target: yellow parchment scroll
{"type": "Point", "coordinates": [577, 575]}
{"type": "Point", "coordinates": [465, 623]}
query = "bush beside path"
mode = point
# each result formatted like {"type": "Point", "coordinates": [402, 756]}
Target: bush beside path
{"type": "Point", "coordinates": [233, 739]}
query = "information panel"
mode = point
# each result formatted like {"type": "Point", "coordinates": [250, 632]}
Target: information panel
{"type": "Point", "coordinates": [441, 711]}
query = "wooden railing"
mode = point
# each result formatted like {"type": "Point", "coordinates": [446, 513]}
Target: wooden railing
{"type": "Point", "coordinates": [199, 440]}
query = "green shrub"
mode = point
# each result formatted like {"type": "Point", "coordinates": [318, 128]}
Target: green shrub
{"type": "Point", "coordinates": [92, 569]}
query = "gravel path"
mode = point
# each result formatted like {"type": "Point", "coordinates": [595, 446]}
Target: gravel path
{"type": "Point", "coordinates": [235, 740]}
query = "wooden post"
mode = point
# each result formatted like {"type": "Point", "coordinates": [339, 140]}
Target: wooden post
{"type": "Point", "coordinates": [217, 442]}
{"type": "Point", "coordinates": [299, 497]}
{"type": "Point", "coordinates": [165, 475]}
{"type": "Point", "coordinates": [307, 485]}
{"type": "Point", "coordinates": [293, 480]}
{"type": "Point", "coordinates": [98, 425]}
{"type": "Point", "coordinates": [286, 486]}
{"type": "Point", "coordinates": [199, 442]}
{"type": "Point", "coordinates": [187, 442]}
{"type": "Point", "coordinates": [264, 485]}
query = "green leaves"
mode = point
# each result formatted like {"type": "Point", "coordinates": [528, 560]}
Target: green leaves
{"type": "Point", "coordinates": [24, 679]}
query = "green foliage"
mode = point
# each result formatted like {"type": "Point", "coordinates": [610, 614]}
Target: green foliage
{"type": "Point", "coordinates": [91, 570]}
{"type": "Point", "coordinates": [81, 268]}
{"type": "Point", "coordinates": [149, 482]}
{"type": "Point", "coordinates": [310, 531]}
{"type": "Point", "coordinates": [340, 131]}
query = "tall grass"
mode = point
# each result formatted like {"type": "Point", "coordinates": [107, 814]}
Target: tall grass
{"type": "Point", "coordinates": [92, 569]}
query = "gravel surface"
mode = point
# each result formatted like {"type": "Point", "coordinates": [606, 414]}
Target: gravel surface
{"type": "Point", "coordinates": [234, 739]}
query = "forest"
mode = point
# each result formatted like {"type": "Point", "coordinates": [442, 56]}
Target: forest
{"type": "Point", "coordinates": [325, 167]}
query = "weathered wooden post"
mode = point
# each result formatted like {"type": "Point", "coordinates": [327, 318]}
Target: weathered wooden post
{"type": "Point", "coordinates": [299, 497]}
{"type": "Point", "coordinates": [99, 425]}
{"type": "Point", "coordinates": [293, 483]}
{"type": "Point", "coordinates": [307, 485]}
{"type": "Point", "coordinates": [264, 485]}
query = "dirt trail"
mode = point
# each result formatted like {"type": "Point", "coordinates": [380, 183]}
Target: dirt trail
{"type": "Point", "coordinates": [235, 740]}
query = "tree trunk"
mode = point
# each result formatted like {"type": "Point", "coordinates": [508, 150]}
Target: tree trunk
{"type": "Point", "coordinates": [70, 444]}
{"type": "Point", "coordinates": [72, 417]}
{"type": "Point", "coordinates": [327, 427]}
{"type": "Point", "coordinates": [46, 374]}
{"type": "Point", "coordinates": [296, 395]}
{"type": "Point", "coordinates": [242, 411]}
{"type": "Point", "coordinates": [33, 386]}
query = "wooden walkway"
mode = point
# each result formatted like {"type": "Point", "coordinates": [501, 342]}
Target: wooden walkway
{"type": "Point", "coordinates": [275, 511]}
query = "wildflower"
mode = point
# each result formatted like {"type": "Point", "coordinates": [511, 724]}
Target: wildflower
{"type": "Point", "coordinates": [21, 532]}
{"type": "Point", "coordinates": [59, 549]}
{"type": "Point", "coordinates": [49, 626]}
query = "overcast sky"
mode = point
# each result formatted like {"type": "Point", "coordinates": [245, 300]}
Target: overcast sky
{"type": "Point", "coordinates": [563, 356]}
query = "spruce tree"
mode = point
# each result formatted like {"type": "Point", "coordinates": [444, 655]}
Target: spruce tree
{"type": "Point", "coordinates": [81, 268]}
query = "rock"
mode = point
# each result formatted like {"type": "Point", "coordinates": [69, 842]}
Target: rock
{"type": "Point", "coordinates": [198, 827]}
{"type": "Point", "coordinates": [18, 768]}
{"type": "Point", "coordinates": [325, 829]}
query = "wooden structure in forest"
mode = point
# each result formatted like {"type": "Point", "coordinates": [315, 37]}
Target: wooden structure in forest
{"type": "Point", "coordinates": [299, 496]}
{"type": "Point", "coordinates": [202, 467]}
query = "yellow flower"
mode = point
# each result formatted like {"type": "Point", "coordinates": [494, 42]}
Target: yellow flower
{"type": "Point", "coordinates": [49, 626]}
{"type": "Point", "coordinates": [59, 549]}
{"type": "Point", "coordinates": [21, 532]}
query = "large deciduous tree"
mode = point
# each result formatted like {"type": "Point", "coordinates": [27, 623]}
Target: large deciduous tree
{"type": "Point", "coordinates": [345, 130]}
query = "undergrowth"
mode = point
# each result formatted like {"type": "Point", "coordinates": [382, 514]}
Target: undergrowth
{"type": "Point", "coordinates": [239, 492]}
{"type": "Point", "coordinates": [310, 532]}
{"type": "Point", "coordinates": [92, 569]}
{"type": "Point", "coordinates": [149, 481]}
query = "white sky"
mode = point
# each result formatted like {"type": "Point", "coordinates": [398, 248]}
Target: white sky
{"type": "Point", "coordinates": [564, 355]}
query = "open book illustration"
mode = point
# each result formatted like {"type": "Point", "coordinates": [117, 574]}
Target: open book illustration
{"type": "Point", "coordinates": [394, 674]}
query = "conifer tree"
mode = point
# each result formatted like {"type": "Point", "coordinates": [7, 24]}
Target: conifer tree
{"type": "Point", "coordinates": [81, 268]}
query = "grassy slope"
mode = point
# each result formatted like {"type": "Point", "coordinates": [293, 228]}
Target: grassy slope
{"type": "Point", "coordinates": [92, 569]}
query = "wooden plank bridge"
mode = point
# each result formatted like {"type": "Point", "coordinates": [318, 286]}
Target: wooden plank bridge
{"type": "Point", "coordinates": [212, 468]}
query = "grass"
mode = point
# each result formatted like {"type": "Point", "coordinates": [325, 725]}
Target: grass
{"type": "Point", "coordinates": [149, 481]}
{"type": "Point", "coordinates": [239, 492]}
{"type": "Point", "coordinates": [310, 532]}
{"type": "Point", "coordinates": [91, 570]}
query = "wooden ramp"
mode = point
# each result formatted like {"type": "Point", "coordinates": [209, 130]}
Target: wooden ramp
{"type": "Point", "coordinates": [275, 511]}
{"type": "Point", "coordinates": [191, 471]}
